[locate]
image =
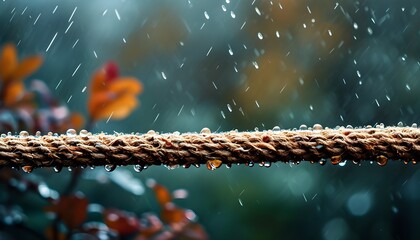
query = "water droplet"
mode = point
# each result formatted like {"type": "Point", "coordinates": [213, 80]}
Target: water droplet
{"type": "Point", "coordinates": [172, 167]}
{"type": "Point", "coordinates": [197, 165]}
{"type": "Point", "coordinates": [317, 127]}
{"type": "Point", "coordinates": [381, 160]}
{"type": "Point", "coordinates": [232, 14]}
{"type": "Point", "coordinates": [276, 129]}
{"type": "Point", "coordinates": [229, 107]}
{"type": "Point", "coordinates": [267, 164]}
{"type": "Point", "coordinates": [257, 11]}
{"type": "Point", "coordinates": [70, 169]}
{"type": "Point", "coordinates": [205, 131]}
{"type": "Point", "coordinates": [57, 169]}
{"type": "Point", "coordinates": [151, 132]}
{"type": "Point", "coordinates": [303, 127]}
{"type": "Point", "coordinates": [83, 133]}
{"type": "Point", "coordinates": [400, 124]}
{"type": "Point", "coordinates": [336, 160]}
{"type": "Point", "coordinates": [249, 164]}
{"type": "Point", "coordinates": [277, 34]}
{"type": "Point", "coordinates": [71, 132]}
{"type": "Point", "coordinates": [355, 26]}
{"type": "Point", "coordinates": [260, 36]}
{"type": "Point", "coordinates": [163, 75]}
{"type": "Point", "coordinates": [224, 8]}
{"type": "Point", "coordinates": [213, 164]}
{"type": "Point", "coordinates": [38, 134]}
{"type": "Point", "coordinates": [342, 164]}
{"type": "Point", "coordinates": [414, 125]}
{"type": "Point", "coordinates": [3, 135]}
{"type": "Point", "coordinates": [27, 169]}
{"type": "Point", "coordinates": [139, 168]}
{"type": "Point", "coordinates": [370, 31]}
{"type": "Point", "coordinates": [206, 15]}
{"type": "Point", "coordinates": [24, 134]}
{"type": "Point", "coordinates": [110, 167]}
{"type": "Point", "coordinates": [322, 162]}
{"type": "Point", "coordinates": [228, 165]}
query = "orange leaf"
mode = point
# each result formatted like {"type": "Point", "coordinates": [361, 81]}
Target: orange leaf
{"type": "Point", "coordinates": [171, 214]}
{"type": "Point", "coordinates": [126, 85]}
{"type": "Point", "coordinates": [122, 222]}
{"type": "Point", "coordinates": [98, 81]}
{"type": "Point", "coordinates": [26, 67]}
{"type": "Point", "coordinates": [162, 194]}
{"type": "Point", "coordinates": [8, 62]}
{"type": "Point", "coordinates": [72, 210]}
{"type": "Point", "coordinates": [13, 92]}
{"type": "Point", "coordinates": [119, 108]}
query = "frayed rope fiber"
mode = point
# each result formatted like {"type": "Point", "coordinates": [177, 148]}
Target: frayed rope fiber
{"type": "Point", "coordinates": [173, 149]}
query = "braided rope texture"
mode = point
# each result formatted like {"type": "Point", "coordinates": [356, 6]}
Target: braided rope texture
{"type": "Point", "coordinates": [175, 149]}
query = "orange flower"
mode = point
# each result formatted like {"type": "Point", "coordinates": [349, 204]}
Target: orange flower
{"type": "Point", "coordinates": [111, 95]}
{"type": "Point", "coordinates": [12, 72]}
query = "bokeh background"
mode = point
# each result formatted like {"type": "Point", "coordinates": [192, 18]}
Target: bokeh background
{"type": "Point", "coordinates": [244, 65]}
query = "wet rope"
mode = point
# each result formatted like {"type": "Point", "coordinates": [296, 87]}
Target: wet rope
{"type": "Point", "coordinates": [174, 149]}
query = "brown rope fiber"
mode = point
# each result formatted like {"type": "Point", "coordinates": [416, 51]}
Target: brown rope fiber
{"type": "Point", "coordinates": [316, 145]}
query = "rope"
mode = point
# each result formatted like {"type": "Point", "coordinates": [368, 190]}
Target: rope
{"type": "Point", "coordinates": [174, 149]}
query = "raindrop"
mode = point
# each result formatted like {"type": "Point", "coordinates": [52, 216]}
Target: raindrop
{"type": "Point", "coordinates": [277, 34]}
{"type": "Point", "coordinates": [317, 127]}
{"type": "Point", "coordinates": [232, 14]}
{"type": "Point", "coordinates": [257, 11]}
{"type": "Point", "coordinates": [110, 167]}
{"type": "Point", "coordinates": [213, 164]}
{"type": "Point", "coordinates": [139, 168]}
{"type": "Point", "coordinates": [355, 26]}
{"type": "Point", "coordinates": [303, 127]}
{"type": "Point", "coordinates": [358, 74]}
{"type": "Point", "coordinates": [223, 114]}
{"type": "Point", "coordinates": [57, 169]}
{"type": "Point", "coordinates": [27, 169]}
{"type": "Point", "coordinates": [24, 134]}
{"type": "Point", "coordinates": [163, 75]}
{"type": "Point", "coordinates": [83, 133]}
{"type": "Point", "coordinates": [71, 132]}
{"type": "Point", "coordinates": [260, 36]}
{"type": "Point", "coordinates": [370, 31]}
{"type": "Point", "coordinates": [267, 164]}
{"type": "Point", "coordinates": [205, 131]}
{"type": "Point", "coordinates": [329, 32]}
{"type": "Point", "coordinates": [255, 65]}
{"type": "Point", "coordinates": [381, 160]}
{"type": "Point", "coordinates": [224, 8]}
{"type": "Point", "coordinates": [408, 87]}
{"type": "Point", "coordinates": [206, 15]}
{"type": "Point", "coordinates": [229, 107]}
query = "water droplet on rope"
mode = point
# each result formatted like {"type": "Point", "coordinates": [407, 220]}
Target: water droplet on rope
{"type": "Point", "coordinates": [27, 169]}
{"type": "Point", "coordinates": [342, 164]}
{"type": "Point", "coordinates": [71, 132]}
{"type": "Point", "coordinates": [70, 169]}
{"type": "Point", "coordinates": [381, 160]}
{"type": "Point", "coordinates": [267, 164]}
{"type": "Point", "coordinates": [276, 129]}
{"type": "Point", "coordinates": [197, 165]}
{"type": "Point", "coordinates": [414, 125]}
{"type": "Point", "coordinates": [303, 127]}
{"type": "Point", "coordinates": [24, 134]}
{"type": "Point", "coordinates": [205, 131]}
{"type": "Point", "coordinates": [249, 164]}
{"type": "Point", "coordinates": [84, 133]}
{"type": "Point", "coordinates": [336, 160]}
{"type": "Point", "coordinates": [317, 127]}
{"type": "Point", "coordinates": [228, 165]}
{"type": "Point", "coordinates": [3, 135]}
{"type": "Point", "coordinates": [110, 167]}
{"type": "Point", "coordinates": [213, 164]}
{"type": "Point", "coordinates": [322, 162]}
{"type": "Point", "coordinates": [139, 168]}
{"type": "Point", "coordinates": [57, 169]}
{"type": "Point", "coordinates": [38, 134]}
{"type": "Point", "coordinates": [172, 167]}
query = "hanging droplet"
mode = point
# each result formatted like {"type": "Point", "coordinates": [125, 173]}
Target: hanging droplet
{"type": "Point", "coordinates": [139, 168]}
{"type": "Point", "coordinates": [342, 164]}
{"type": "Point", "coordinates": [336, 160]}
{"type": "Point", "coordinates": [213, 164]}
{"type": "Point", "coordinates": [228, 165]}
{"type": "Point", "coordinates": [172, 167]}
{"type": "Point", "coordinates": [322, 162]}
{"type": "Point", "coordinates": [70, 169]}
{"type": "Point", "coordinates": [186, 165]}
{"type": "Point", "coordinates": [205, 131]}
{"type": "Point", "coordinates": [400, 124]}
{"type": "Point", "coordinates": [110, 167]}
{"type": "Point", "coordinates": [197, 165]}
{"type": "Point", "coordinates": [57, 169]}
{"type": "Point", "coordinates": [267, 164]}
{"type": "Point", "coordinates": [71, 132]}
{"type": "Point", "coordinates": [249, 164]}
{"type": "Point", "coordinates": [84, 133]}
{"type": "Point", "coordinates": [23, 134]}
{"type": "Point", "coordinates": [27, 169]}
{"type": "Point", "coordinates": [381, 160]}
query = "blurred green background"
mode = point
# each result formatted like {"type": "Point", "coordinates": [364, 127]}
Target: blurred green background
{"type": "Point", "coordinates": [243, 65]}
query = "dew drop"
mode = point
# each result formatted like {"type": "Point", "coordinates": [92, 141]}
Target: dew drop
{"type": "Point", "coordinates": [110, 167]}
{"type": "Point", "coordinates": [276, 129]}
{"type": "Point", "coordinates": [213, 164]}
{"type": "Point", "coordinates": [336, 160]}
{"type": "Point", "coordinates": [381, 160]}
{"type": "Point", "coordinates": [57, 169]}
{"type": "Point", "coordinates": [24, 134]}
{"type": "Point", "coordinates": [71, 132]}
{"type": "Point", "coordinates": [317, 127]}
{"type": "Point", "coordinates": [303, 127]}
{"type": "Point", "coordinates": [205, 131]}
{"type": "Point", "coordinates": [83, 133]}
{"type": "Point", "coordinates": [27, 169]}
{"type": "Point", "coordinates": [139, 168]}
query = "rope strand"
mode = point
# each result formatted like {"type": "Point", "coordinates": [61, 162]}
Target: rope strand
{"type": "Point", "coordinates": [174, 149]}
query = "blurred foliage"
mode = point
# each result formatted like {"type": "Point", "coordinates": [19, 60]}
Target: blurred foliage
{"type": "Point", "coordinates": [111, 97]}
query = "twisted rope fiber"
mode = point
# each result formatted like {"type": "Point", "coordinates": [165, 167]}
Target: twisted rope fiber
{"type": "Point", "coordinates": [373, 144]}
